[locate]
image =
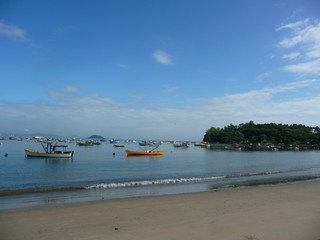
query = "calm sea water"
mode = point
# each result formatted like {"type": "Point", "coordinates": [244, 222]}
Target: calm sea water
{"type": "Point", "coordinates": [105, 172]}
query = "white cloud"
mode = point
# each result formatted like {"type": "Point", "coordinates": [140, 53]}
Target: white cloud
{"type": "Point", "coordinates": [312, 67]}
{"type": "Point", "coordinates": [12, 32]}
{"type": "Point", "coordinates": [261, 77]}
{"type": "Point", "coordinates": [291, 56]}
{"type": "Point", "coordinates": [264, 106]}
{"type": "Point", "coordinates": [306, 39]}
{"type": "Point", "coordinates": [68, 114]}
{"type": "Point", "coordinates": [304, 34]}
{"type": "Point", "coordinates": [294, 25]}
{"type": "Point", "coordinates": [162, 57]}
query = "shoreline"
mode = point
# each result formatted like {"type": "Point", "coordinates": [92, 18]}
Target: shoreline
{"type": "Point", "coordinates": [170, 181]}
{"type": "Point", "coordinates": [25, 198]}
{"type": "Point", "coordinates": [286, 211]}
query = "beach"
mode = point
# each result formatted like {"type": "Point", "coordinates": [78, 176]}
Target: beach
{"type": "Point", "coordinates": [286, 212]}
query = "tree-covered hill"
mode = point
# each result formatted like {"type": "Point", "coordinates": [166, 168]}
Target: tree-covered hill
{"type": "Point", "coordinates": [259, 133]}
{"type": "Point", "coordinates": [96, 137]}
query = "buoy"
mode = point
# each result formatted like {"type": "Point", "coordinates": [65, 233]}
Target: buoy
{"type": "Point", "coordinates": [6, 155]}
{"type": "Point", "coordinates": [113, 154]}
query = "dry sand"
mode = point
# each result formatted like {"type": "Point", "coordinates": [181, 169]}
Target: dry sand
{"type": "Point", "coordinates": [286, 212]}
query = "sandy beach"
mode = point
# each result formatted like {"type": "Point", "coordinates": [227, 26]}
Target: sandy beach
{"type": "Point", "coordinates": [285, 212]}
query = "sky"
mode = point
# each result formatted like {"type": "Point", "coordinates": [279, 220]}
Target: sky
{"type": "Point", "coordinates": [150, 69]}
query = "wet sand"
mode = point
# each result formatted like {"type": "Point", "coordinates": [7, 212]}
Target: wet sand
{"type": "Point", "coordinates": [286, 212]}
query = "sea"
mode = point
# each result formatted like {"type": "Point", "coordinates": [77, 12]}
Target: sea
{"type": "Point", "coordinates": [104, 172]}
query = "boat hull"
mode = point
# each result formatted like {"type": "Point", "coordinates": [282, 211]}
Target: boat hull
{"type": "Point", "coordinates": [142, 153]}
{"type": "Point", "coordinates": [30, 153]}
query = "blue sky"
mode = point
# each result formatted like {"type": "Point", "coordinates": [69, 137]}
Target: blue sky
{"type": "Point", "coordinates": [147, 69]}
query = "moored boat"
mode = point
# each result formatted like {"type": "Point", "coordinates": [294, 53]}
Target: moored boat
{"type": "Point", "coordinates": [131, 153]}
{"type": "Point", "coordinates": [85, 143]}
{"type": "Point", "coordinates": [147, 143]}
{"type": "Point", "coordinates": [182, 145]}
{"type": "Point", "coordinates": [232, 148]}
{"type": "Point", "coordinates": [89, 143]}
{"type": "Point", "coordinates": [119, 145]}
{"type": "Point", "coordinates": [51, 151]}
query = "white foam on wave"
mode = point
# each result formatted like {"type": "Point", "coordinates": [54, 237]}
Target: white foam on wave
{"type": "Point", "coordinates": [152, 182]}
{"type": "Point", "coordinates": [186, 180]}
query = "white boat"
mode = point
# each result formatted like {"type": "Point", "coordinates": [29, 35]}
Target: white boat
{"type": "Point", "coordinates": [182, 145]}
{"type": "Point", "coordinates": [146, 143]}
{"type": "Point", "coordinates": [51, 151]}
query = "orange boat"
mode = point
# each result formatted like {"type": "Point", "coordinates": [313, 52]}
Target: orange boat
{"type": "Point", "coordinates": [142, 153]}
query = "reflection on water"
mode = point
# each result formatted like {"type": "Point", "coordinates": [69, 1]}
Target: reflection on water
{"type": "Point", "coordinates": [50, 160]}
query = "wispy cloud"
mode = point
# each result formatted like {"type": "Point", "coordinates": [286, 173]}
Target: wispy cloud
{"type": "Point", "coordinates": [312, 67]}
{"type": "Point", "coordinates": [71, 89]}
{"type": "Point", "coordinates": [291, 56]}
{"type": "Point", "coordinates": [294, 25]}
{"type": "Point", "coordinates": [261, 77]}
{"type": "Point", "coordinates": [162, 57]}
{"type": "Point", "coordinates": [84, 115]}
{"type": "Point", "coordinates": [305, 40]}
{"type": "Point", "coordinates": [263, 105]}
{"type": "Point", "coordinates": [65, 93]}
{"type": "Point", "coordinates": [169, 89]}
{"type": "Point", "coordinates": [13, 32]}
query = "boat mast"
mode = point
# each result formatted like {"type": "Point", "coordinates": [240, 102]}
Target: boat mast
{"type": "Point", "coordinates": [45, 148]}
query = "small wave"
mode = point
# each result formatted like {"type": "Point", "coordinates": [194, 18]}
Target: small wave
{"type": "Point", "coordinates": [270, 172]}
{"type": "Point", "coordinates": [260, 182]}
{"type": "Point", "coordinates": [153, 182]}
{"type": "Point", "coordinates": [232, 179]}
{"type": "Point", "coordinates": [185, 180]}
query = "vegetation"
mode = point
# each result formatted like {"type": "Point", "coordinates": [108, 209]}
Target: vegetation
{"type": "Point", "coordinates": [250, 132]}
{"type": "Point", "coordinates": [95, 137]}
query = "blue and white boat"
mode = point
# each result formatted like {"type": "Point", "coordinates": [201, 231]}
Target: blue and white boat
{"type": "Point", "coordinates": [51, 151]}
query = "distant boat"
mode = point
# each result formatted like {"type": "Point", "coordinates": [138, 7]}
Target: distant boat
{"type": "Point", "coordinates": [232, 148]}
{"type": "Point", "coordinates": [89, 143]}
{"type": "Point", "coordinates": [51, 151]}
{"type": "Point", "coordinates": [146, 143]}
{"type": "Point", "coordinates": [147, 151]}
{"type": "Point", "coordinates": [182, 145]}
{"type": "Point", "coordinates": [118, 145]}
{"type": "Point", "coordinates": [131, 153]}
{"type": "Point", "coordinates": [85, 143]}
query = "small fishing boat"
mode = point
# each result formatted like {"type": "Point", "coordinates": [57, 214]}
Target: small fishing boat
{"type": "Point", "coordinates": [131, 153]}
{"type": "Point", "coordinates": [182, 145]}
{"type": "Point", "coordinates": [51, 151]}
{"type": "Point", "coordinates": [146, 143]}
{"type": "Point", "coordinates": [149, 151]}
{"type": "Point", "coordinates": [89, 143]}
{"type": "Point", "coordinates": [119, 145]}
{"type": "Point", "coordinates": [232, 148]}
{"type": "Point", "coordinates": [85, 143]}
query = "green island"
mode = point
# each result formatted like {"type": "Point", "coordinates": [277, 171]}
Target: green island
{"type": "Point", "coordinates": [269, 136]}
